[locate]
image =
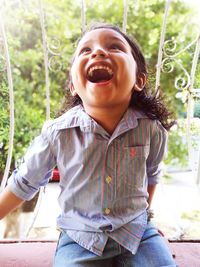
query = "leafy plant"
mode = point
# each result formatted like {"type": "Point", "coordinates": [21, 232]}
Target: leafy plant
{"type": "Point", "coordinates": [4, 121]}
{"type": "Point", "coordinates": [177, 143]}
{"type": "Point", "coordinates": [177, 147]}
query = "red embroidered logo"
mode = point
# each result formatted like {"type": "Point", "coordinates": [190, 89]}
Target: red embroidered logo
{"type": "Point", "coordinates": [133, 152]}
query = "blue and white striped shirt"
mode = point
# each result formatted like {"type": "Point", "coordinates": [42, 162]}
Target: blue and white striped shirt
{"type": "Point", "coordinates": [103, 177]}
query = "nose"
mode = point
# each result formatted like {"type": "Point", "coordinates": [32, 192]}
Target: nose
{"type": "Point", "coordinates": [99, 52]}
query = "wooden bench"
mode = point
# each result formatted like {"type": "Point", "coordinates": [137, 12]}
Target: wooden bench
{"type": "Point", "coordinates": [40, 253]}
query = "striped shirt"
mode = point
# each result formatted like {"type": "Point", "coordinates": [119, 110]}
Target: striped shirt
{"type": "Point", "coordinates": [103, 177]}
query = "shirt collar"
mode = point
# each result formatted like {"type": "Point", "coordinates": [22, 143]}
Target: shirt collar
{"type": "Point", "coordinates": [77, 117]}
{"type": "Point", "coordinates": [128, 121]}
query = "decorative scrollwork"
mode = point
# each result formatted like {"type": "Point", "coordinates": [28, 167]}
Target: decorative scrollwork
{"type": "Point", "coordinates": [183, 81]}
{"type": "Point", "coordinates": [169, 47]}
{"type": "Point", "coordinates": [54, 47]}
{"type": "Point", "coordinates": [54, 64]}
{"type": "Point", "coordinates": [167, 65]}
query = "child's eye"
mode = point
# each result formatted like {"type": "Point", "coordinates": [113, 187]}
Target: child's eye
{"type": "Point", "coordinates": [84, 50]}
{"type": "Point", "coordinates": [116, 47]}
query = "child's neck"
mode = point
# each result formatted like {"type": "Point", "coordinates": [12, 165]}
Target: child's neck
{"type": "Point", "coordinates": [108, 118]}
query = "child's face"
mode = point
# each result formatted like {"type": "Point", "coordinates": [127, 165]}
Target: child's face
{"type": "Point", "coordinates": [104, 70]}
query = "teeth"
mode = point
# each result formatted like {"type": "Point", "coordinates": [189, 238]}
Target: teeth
{"type": "Point", "coordinates": [90, 72]}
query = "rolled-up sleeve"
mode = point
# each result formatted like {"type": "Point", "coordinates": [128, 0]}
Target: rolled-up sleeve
{"type": "Point", "coordinates": [158, 150]}
{"type": "Point", "coordinates": [36, 169]}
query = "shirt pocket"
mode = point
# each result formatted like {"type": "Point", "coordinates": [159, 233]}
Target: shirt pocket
{"type": "Point", "coordinates": [132, 169]}
{"type": "Point", "coordinates": [137, 151]}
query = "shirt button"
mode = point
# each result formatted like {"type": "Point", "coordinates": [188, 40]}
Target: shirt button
{"type": "Point", "coordinates": [107, 211]}
{"type": "Point", "coordinates": [108, 179]}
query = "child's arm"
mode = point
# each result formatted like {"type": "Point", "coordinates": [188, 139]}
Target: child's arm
{"type": "Point", "coordinates": [8, 202]}
{"type": "Point", "coordinates": [158, 149]}
{"type": "Point", "coordinates": [151, 189]}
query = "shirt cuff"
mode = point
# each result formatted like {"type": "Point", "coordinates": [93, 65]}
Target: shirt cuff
{"type": "Point", "coordinates": [21, 187]}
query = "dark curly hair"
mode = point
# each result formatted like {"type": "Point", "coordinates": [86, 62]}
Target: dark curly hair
{"type": "Point", "coordinates": [150, 104]}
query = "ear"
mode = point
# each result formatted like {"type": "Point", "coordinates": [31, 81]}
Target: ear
{"type": "Point", "coordinates": [72, 89]}
{"type": "Point", "coordinates": [140, 83]}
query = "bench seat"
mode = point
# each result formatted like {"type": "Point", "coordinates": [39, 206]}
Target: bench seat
{"type": "Point", "coordinates": [37, 253]}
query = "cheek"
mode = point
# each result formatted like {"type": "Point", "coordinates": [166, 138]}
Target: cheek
{"type": "Point", "coordinates": [77, 72]}
{"type": "Point", "coordinates": [73, 77]}
{"type": "Point", "coordinates": [129, 71]}
{"type": "Point", "coordinates": [132, 69]}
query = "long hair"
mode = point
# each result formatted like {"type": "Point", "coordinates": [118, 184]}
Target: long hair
{"type": "Point", "coordinates": [150, 104]}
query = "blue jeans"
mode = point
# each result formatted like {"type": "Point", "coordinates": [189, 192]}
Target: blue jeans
{"type": "Point", "coordinates": [152, 252]}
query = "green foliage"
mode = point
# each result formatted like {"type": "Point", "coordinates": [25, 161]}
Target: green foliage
{"type": "Point", "coordinates": [194, 215]}
{"type": "Point", "coordinates": [177, 143]}
{"type": "Point", "coordinates": [63, 26]}
{"type": "Point", "coordinates": [191, 218]}
{"type": "Point", "coordinates": [177, 147]}
{"type": "Point", "coordinates": [4, 121]}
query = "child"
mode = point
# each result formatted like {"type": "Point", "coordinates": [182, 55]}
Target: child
{"type": "Point", "coordinates": [108, 149]}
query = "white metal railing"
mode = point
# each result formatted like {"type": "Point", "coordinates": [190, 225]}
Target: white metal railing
{"type": "Point", "coordinates": [125, 16]}
{"type": "Point", "coordinates": [190, 97]}
{"type": "Point", "coordinates": [161, 45]}
{"type": "Point", "coordinates": [46, 57]}
{"type": "Point", "coordinates": [83, 17]}
{"type": "Point", "coordinates": [165, 59]}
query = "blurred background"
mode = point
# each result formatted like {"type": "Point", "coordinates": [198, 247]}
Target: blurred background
{"type": "Point", "coordinates": [37, 28]}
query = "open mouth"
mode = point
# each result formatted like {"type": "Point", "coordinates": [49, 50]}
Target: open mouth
{"type": "Point", "coordinates": [99, 74]}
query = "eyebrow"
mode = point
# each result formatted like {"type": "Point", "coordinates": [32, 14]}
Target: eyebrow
{"type": "Point", "coordinates": [118, 39]}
